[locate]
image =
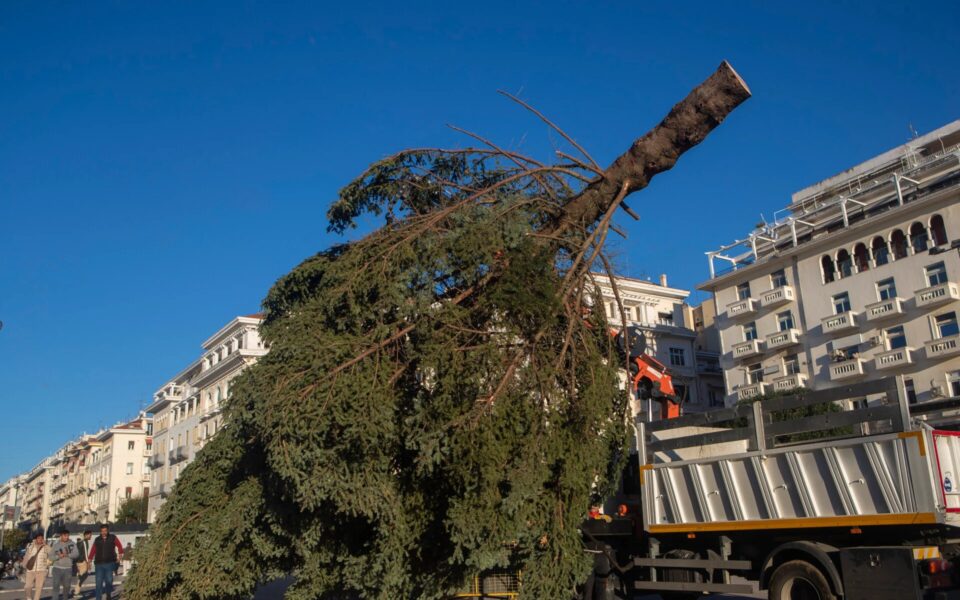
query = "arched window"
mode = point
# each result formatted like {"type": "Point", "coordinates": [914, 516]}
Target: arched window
{"type": "Point", "coordinates": [844, 263]}
{"type": "Point", "coordinates": [919, 238]}
{"type": "Point", "coordinates": [881, 253]}
{"type": "Point", "coordinates": [898, 244]}
{"type": "Point", "coordinates": [828, 271]}
{"type": "Point", "coordinates": [861, 257]}
{"type": "Point", "coordinates": [938, 231]}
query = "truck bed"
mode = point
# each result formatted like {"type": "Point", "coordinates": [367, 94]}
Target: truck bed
{"type": "Point", "coordinates": [864, 466]}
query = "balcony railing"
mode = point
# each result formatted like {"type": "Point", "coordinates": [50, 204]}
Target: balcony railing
{"type": "Point", "coordinates": [847, 369]}
{"type": "Point", "coordinates": [157, 460]}
{"type": "Point", "coordinates": [885, 309]}
{"type": "Point", "coordinates": [789, 382]}
{"type": "Point", "coordinates": [844, 321]}
{"type": "Point", "coordinates": [777, 296]}
{"type": "Point", "coordinates": [746, 349]}
{"type": "Point", "coordinates": [752, 391]}
{"type": "Point", "coordinates": [891, 359]}
{"type": "Point", "coordinates": [937, 294]}
{"type": "Point", "coordinates": [947, 346]}
{"type": "Point", "coordinates": [742, 308]}
{"type": "Point", "coordinates": [782, 339]}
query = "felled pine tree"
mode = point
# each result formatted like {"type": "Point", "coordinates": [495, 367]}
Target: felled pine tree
{"type": "Point", "coordinates": [438, 400]}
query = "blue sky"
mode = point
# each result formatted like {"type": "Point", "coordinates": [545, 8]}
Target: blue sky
{"type": "Point", "coordinates": [161, 164]}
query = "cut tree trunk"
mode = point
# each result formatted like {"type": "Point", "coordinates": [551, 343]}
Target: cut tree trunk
{"type": "Point", "coordinates": [687, 124]}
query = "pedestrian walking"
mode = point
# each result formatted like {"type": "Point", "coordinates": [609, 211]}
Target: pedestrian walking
{"type": "Point", "coordinates": [127, 558]}
{"type": "Point", "coordinates": [83, 565]}
{"type": "Point", "coordinates": [35, 562]}
{"type": "Point", "coordinates": [62, 554]}
{"type": "Point", "coordinates": [105, 552]}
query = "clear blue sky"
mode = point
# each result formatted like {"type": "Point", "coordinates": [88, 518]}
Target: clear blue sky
{"type": "Point", "coordinates": [161, 165]}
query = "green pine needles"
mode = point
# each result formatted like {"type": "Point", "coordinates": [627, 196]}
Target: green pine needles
{"type": "Point", "coordinates": [438, 401]}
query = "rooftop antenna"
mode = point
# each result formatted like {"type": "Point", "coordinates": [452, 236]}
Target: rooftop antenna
{"type": "Point", "coordinates": [913, 131]}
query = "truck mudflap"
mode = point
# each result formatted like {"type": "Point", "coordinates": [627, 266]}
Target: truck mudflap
{"type": "Point", "coordinates": [895, 573]}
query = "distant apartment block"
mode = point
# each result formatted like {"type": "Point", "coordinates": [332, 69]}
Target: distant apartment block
{"type": "Point", "coordinates": [187, 409]}
{"type": "Point", "coordinates": [668, 323]}
{"type": "Point", "coordinates": [856, 279]}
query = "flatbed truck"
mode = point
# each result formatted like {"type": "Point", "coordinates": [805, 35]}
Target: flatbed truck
{"type": "Point", "coordinates": [812, 495]}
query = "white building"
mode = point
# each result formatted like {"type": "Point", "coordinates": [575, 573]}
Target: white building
{"type": "Point", "coordinates": [187, 409]}
{"type": "Point", "coordinates": [118, 467]}
{"type": "Point", "coordinates": [856, 279]}
{"type": "Point", "coordinates": [661, 312]}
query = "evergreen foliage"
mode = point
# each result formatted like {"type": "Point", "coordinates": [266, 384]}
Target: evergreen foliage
{"type": "Point", "coordinates": [132, 510]}
{"type": "Point", "coordinates": [438, 400]}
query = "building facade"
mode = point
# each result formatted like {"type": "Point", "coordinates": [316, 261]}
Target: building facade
{"type": "Point", "coordinates": [855, 280]}
{"type": "Point", "coordinates": [119, 467]}
{"type": "Point", "coordinates": [35, 497]}
{"type": "Point", "coordinates": [187, 409]}
{"type": "Point", "coordinates": [661, 313]}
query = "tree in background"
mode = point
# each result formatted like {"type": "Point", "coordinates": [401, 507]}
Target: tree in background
{"type": "Point", "coordinates": [439, 398]}
{"type": "Point", "coordinates": [13, 540]}
{"type": "Point", "coordinates": [132, 510]}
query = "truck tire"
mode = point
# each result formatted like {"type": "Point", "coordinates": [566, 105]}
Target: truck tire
{"type": "Point", "coordinates": [799, 580]}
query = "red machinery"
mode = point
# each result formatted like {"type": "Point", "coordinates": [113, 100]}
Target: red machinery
{"type": "Point", "coordinates": [649, 378]}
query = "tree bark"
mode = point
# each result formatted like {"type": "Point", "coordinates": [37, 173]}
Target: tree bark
{"type": "Point", "coordinates": [686, 125]}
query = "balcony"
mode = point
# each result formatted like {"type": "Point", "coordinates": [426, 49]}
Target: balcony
{"type": "Point", "coordinates": [777, 296]}
{"type": "Point", "coordinates": [848, 369]}
{"type": "Point", "coordinates": [937, 294]}
{"type": "Point", "coordinates": [742, 308]}
{"type": "Point", "coordinates": [782, 339]}
{"type": "Point", "coordinates": [943, 347]}
{"type": "Point", "coordinates": [884, 309]}
{"type": "Point", "coordinates": [156, 461]}
{"type": "Point", "coordinates": [789, 382]}
{"type": "Point", "coordinates": [753, 390]}
{"type": "Point", "coordinates": [746, 349]}
{"type": "Point", "coordinates": [845, 321]}
{"type": "Point", "coordinates": [891, 359]}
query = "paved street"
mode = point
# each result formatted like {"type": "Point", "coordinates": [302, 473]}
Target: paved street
{"type": "Point", "coordinates": [11, 589]}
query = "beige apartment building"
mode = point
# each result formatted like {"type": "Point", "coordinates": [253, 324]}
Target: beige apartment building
{"type": "Point", "coordinates": [187, 409]}
{"type": "Point", "coordinates": [35, 497]}
{"type": "Point", "coordinates": [118, 467]}
{"type": "Point", "coordinates": [667, 322]}
{"type": "Point", "coordinates": [77, 490]}
{"type": "Point", "coordinates": [856, 279]}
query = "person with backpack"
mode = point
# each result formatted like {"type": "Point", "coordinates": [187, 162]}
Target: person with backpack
{"type": "Point", "coordinates": [105, 552]}
{"type": "Point", "coordinates": [62, 553]}
{"type": "Point", "coordinates": [35, 563]}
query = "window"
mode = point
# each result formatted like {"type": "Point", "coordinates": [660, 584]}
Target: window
{"type": "Point", "coordinates": [953, 379]}
{"type": "Point", "coordinates": [129, 468]}
{"type": "Point", "coordinates": [128, 492]}
{"type": "Point", "coordinates": [895, 338]}
{"type": "Point", "coordinates": [829, 274]}
{"type": "Point", "coordinates": [677, 357]}
{"type": "Point", "coordinates": [754, 373]}
{"type": "Point", "coordinates": [936, 274]}
{"type": "Point", "coordinates": [219, 396]}
{"type": "Point", "coordinates": [743, 291]}
{"type": "Point", "coordinates": [946, 324]}
{"type": "Point", "coordinates": [785, 319]}
{"type": "Point", "coordinates": [778, 278]}
{"type": "Point", "coordinates": [886, 289]}
{"type": "Point", "coordinates": [881, 254]}
{"type": "Point", "coordinates": [898, 242]}
{"type": "Point", "coordinates": [841, 303]}
{"type": "Point", "coordinates": [918, 237]}
{"type": "Point", "coordinates": [938, 230]}
{"type": "Point", "coordinates": [791, 364]}
{"type": "Point", "coordinates": [909, 391]}
{"type": "Point", "coordinates": [861, 258]}
{"type": "Point", "coordinates": [844, 263]}
{"type": "Point", "coordinates": [131, 445]}
{"type": "Point", "coordinates": [750, 331]}
{"type": "Point", "coordinates": [149, 445]}
{"type": "Point", "coordinates": [715, 396]}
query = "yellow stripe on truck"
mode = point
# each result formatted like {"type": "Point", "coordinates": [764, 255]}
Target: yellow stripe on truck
{"type": "Point", "coordinates": [926, 552]}
{"type": "Point", "coordinates": [812, 522]}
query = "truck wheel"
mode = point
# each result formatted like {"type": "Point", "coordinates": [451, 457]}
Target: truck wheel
{"type": "Point", "coordinates": [799, 580]}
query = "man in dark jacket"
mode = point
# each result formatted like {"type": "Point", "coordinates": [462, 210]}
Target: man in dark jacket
{"type": "Point", "coordinates": [105, 552]}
